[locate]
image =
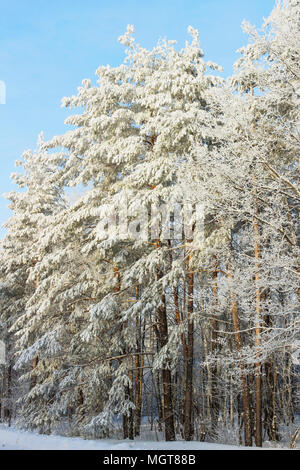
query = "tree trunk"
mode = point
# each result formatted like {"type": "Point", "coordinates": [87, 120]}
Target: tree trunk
{"type": "Point", "coordinates": [167, 398]}
{"type": "Point", "coordinates": [214, 385]}
{"type": "Point", "coordinates": [245, 393]}
{"type": "Point", "coordinates": [188, 421]}
{"type": "Point", "coordinates": [8, 400]}
{"type": "Point", "coordinates": [33, 380]}
{"type": "Point", "coordinates": [258, 378]}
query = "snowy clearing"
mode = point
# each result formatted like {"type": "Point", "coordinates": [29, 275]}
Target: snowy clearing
{"type": "Point", "coordinates": [14, 439]}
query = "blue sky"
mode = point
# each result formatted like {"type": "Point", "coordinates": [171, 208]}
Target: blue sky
{"type": "Point", "coordinates": [48, 47]}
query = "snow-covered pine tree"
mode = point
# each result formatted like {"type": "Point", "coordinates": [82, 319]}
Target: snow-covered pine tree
{"type": "Point", "coordinates": [33, 205]}
{"type": "Point", "coordinates": [195, 328]}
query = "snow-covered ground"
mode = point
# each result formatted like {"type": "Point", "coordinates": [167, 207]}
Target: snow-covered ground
{"type": "Point", "coordinates": [14, 439]}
